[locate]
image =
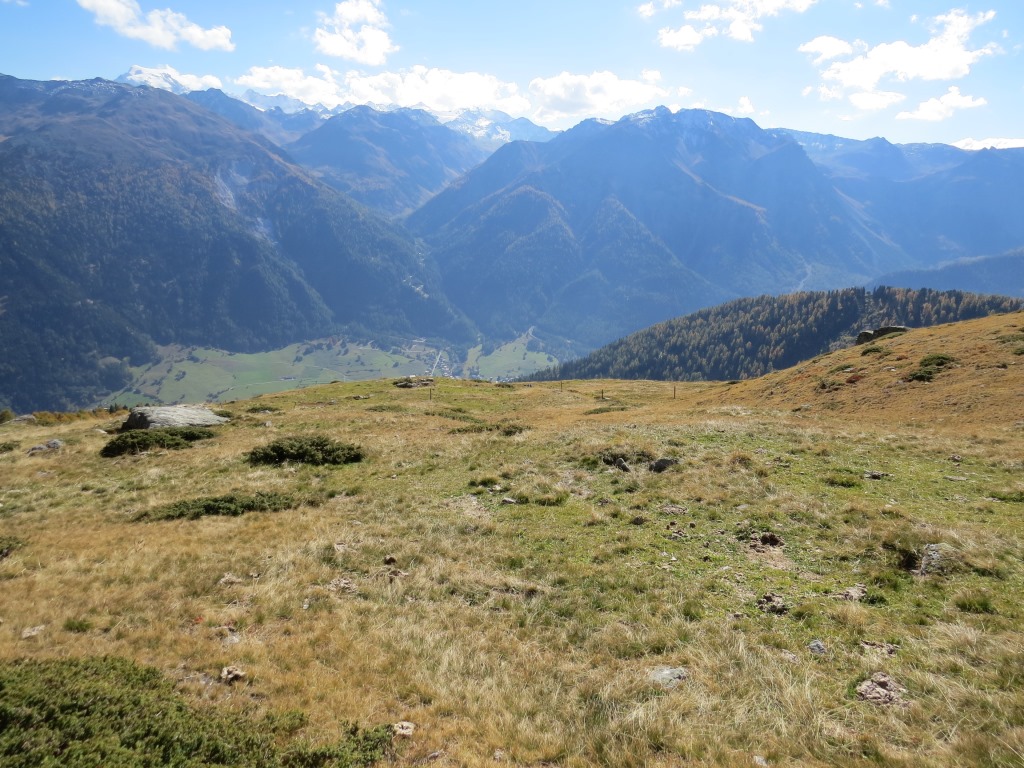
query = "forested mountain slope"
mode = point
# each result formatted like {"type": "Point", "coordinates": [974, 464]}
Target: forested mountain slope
{"type": "Point", "coordinates": [750, 337]}
{"type": "Point", "coordinates": [132, 216]}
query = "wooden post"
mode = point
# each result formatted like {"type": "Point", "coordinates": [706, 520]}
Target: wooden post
{"type": "Point", "coordinates": [673, 391]}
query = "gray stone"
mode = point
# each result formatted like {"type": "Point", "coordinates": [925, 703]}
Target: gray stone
{"type": "Point", "coordinates": [232, 674]}
{"type": "Point", "coordinates": [941, 560]}
{"type": "Point", "coordinates": [660, 465]}
{"type": "Point", "coordinates": [886, 330]}
{"type": "Point", "coordinates": [48, 447]}
{"type": "Point", "coordinates": [816, 647]}
{"type": "Point", "coordinates": [668, 677]}
{"type": "Point", "coordinates": [882, 690]}
{"type": "Point", "coordinates": [155, 416]}
{"type": "Point", "coordinates": [620, 463]}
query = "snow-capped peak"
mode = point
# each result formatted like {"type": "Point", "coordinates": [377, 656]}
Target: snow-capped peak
{"type": "Point", "coordinates": [168, 79]}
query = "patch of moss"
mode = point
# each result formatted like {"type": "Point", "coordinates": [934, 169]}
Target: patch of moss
{"type": "Point", "coordinates": [316, 450]}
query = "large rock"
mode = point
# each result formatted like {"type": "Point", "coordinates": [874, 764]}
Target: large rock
{"type": "Point", "coordinates": [152, 417]}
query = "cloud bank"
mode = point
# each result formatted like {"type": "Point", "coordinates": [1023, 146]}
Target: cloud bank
{"type": "Point", "coordinates": [161, 29]}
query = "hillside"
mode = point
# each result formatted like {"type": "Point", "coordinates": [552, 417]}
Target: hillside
{"type": "Point", "coordinates": [826, 575]}
{"type": "Point", "coordinates": [750, 337]}
{"type": "Point", "coordinates": [132, 216]}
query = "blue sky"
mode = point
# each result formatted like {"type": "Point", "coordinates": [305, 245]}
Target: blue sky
{"type": "Point", "coordinates": [908, 70]}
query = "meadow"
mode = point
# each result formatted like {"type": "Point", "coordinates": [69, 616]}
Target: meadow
{"type": "Point", "coordinates": [827, 571]}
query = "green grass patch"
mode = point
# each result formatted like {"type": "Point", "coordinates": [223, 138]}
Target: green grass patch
{"type": "Point", "coordinates": [316, 450]}
{"type": "Point", "coordinates": [8, 447]}
{"type": "Point", "coordinates": [837, 480]}
{"type": "Point", "coordinates": [111, 712]}
{"type": "Point", "coordinates": [974, 601]}
{"type": "Point", "coordinates": [605, 409]}
{"type": "Point", "coordinates": [229, 505]}
{"type": "Point", "coordinates": [1016, 497]}
{"type": "Point", "coordinates": [875, 349]}
{"type": "Point", "coordinates": [77, 626]}
{"type": "Point", "coordinates": [142, 440]}
{"type": "Point", "coordinates": [505, 428]}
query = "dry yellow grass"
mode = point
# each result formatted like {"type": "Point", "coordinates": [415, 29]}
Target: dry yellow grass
{"type": "Point", "coordinates": [525, 633]}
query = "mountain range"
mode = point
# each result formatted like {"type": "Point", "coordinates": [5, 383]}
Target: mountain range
{"type": "Point", "coordinates": [132, 217]}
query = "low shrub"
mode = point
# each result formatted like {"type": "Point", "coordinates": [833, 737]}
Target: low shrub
{"type": "Point", "coordinates": [89, 712]}
{"type": "Point", "coordinates": [230, 505]}
{"type": "Point", "coordinates": [8, 447]}
{"type": "Point", "coordinates": [930, 365]}
{"type": "Point", "coordinates": [142, 440]}
{"type": "Point", "coordinates": [316, 450]}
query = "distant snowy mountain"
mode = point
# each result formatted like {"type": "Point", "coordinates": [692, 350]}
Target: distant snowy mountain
{"type": "Point", "coordinates": [491, 128]}
{"type": "Point", "coordinates": [976, 144]}
{"type": "Point", "coordinates": [168, 79]}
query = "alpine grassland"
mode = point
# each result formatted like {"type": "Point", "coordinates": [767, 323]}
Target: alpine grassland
{"type": "Point", "coordinates": [814, 576]}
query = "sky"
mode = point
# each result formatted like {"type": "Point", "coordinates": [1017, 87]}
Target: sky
{"type": "Point", "coordinates": [906, 70]}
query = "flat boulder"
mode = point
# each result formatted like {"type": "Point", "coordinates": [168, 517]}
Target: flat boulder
{"type": "Point", "coordinates": [156, 416]}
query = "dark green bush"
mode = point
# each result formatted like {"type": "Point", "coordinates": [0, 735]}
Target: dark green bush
{"type": "Point", "coordinates": [6, 415]}
{"type": "Point", "coordinates": [142, 440]}
{"type": "Point", "coordinates": [8, 447]}
{"type": "Point", "coordinates": [930, 365]}
{"type": "Point", "coordinates": [315, 449]}
{"type": "Point", "coordinates": [110, 712]}
{"type": "Point", "coordinates": [8, 544]}
{"type": "Point", "coordinates": [230, 505]}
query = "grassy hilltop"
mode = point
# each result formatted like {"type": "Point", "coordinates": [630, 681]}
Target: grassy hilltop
{"type": "Point", "coordinates": [486, 573]}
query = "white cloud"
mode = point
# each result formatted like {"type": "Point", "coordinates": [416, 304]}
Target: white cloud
{"type": "Point", "coordinates": [872, 101]}
{"type": "Point", "coordinates": [311, 89]}
{"type": "Point", "coordinates": [826, 47]}
{"type": "Point", "coordinates": [746, 106]}
{"type": "Point", "coordinates": [357, 31]}
{"type": "Point", "coordinates": [686, 38]}
{"type": "Point", "coordinates": [945, 56]}
{"type": "Point", "coordinates": [647, 10]}
{"type": "Point", "coordinates": [943, 107]}
{"type": "Point", "coordinates": [974, 144]}
{"type": "Point", "coordinates": [738, 19]}
{"type": "Point", "coordinates": [22, 3]}
{"type": "Point", "coordinates": [440, 90]}
{"type": "Point", "coordinates": [162, 29]}
{"type": "Point", "coordinates": [568, 96]}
